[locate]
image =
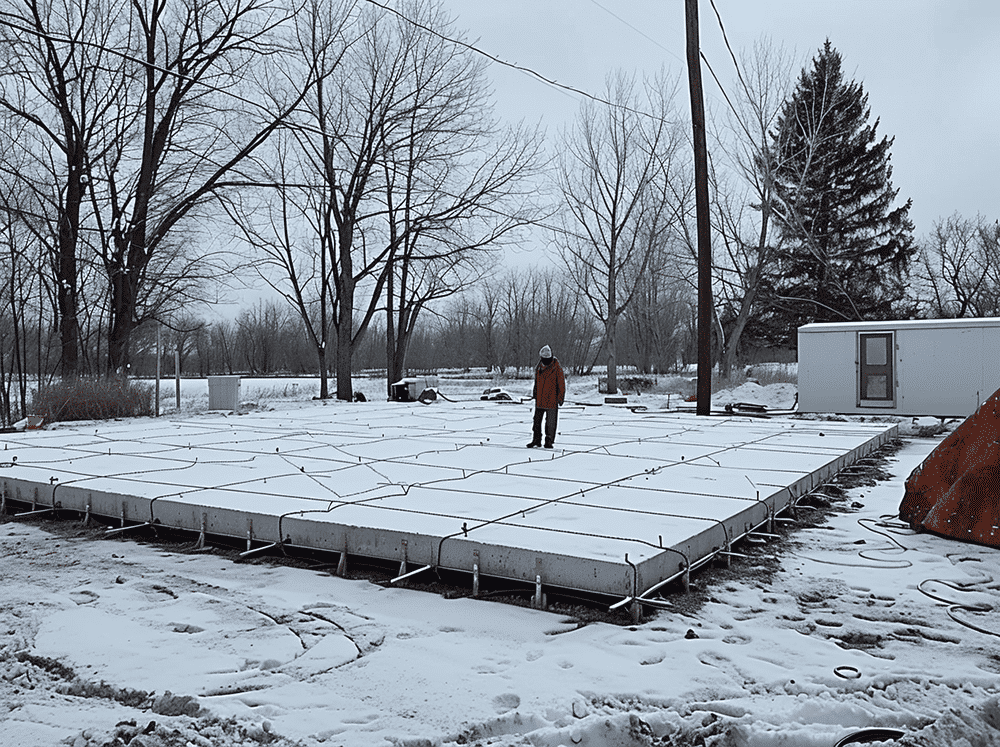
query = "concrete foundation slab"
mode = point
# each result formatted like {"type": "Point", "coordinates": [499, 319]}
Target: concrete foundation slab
{"type": "Point", "coordinates": [624, 501]}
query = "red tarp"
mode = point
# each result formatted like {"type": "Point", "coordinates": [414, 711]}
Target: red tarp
{"type": "Point", "coordinates": [956, 491]}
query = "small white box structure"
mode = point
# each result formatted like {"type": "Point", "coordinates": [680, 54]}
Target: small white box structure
{"type": "Point", "coordinates": [408, 389]}
{"type": "Point", "coordinates": [939, 367]}
{"type": "Point", "coordinates": [223, 392]}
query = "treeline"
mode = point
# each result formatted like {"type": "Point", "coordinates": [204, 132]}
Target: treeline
{"type": "Point", "coordinates": [498, 326]}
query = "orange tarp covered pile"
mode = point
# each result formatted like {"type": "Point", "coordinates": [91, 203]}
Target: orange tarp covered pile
{"type": "Point", "coordinates": [956, 490]}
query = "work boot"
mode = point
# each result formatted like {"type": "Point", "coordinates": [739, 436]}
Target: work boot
{"type": "Point", "coordinates": [548, 446]}
{"type": "Point", "coordinates": [534, 445]}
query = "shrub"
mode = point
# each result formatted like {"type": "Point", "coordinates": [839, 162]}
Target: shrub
{"type": "Point", "coordinates": [93, 399]}
{"type": "Point", "coordinates": [627, 384]}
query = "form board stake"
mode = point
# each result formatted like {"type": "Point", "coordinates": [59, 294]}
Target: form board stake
{"type": "Point", "coordinates": [475, 573]}
{"type": "Point", "coordinates": [201, 533]}
{"type": "Point", "coordinates": [538, 602]}
{"type": "Point", "coordinates": [402, 563]}
{"type": "Point", "coordinates": [342, 563]}
{"type": "Point", "coordinates": [636, 611]}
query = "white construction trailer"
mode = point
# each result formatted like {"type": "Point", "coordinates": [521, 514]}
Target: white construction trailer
{"type": "Point", "coordinates": [939, 367]}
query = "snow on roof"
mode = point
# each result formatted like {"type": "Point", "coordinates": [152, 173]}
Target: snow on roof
{"type": "Point", "coordinates": [900, 324]}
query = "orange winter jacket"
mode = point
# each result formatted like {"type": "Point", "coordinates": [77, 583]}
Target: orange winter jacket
{"type": "Point", "coordinates": [549, 390]}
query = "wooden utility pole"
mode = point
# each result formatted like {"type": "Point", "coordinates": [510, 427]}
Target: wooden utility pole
{"type": "Point", "coordinates": [701, 211]}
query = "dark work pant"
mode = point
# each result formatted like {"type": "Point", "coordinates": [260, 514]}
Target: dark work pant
{"type": "Point", "coordinates": [551, 415]}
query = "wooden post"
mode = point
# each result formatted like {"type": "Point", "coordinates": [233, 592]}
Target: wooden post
{"type": "Point", "coordinates": [158, 332]}
{"type": "Point", "coordinates": [177, 374]}
{"type": "Point", "coordinates": [704, 406]}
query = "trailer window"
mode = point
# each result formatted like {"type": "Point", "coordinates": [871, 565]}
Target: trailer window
{"type": "Point", "coordinates": [876, 385]}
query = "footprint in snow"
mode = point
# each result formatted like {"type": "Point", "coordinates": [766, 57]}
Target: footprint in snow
{"type": "Point", "coordinates": [506, 702]}
{"type": "Point", "coordinates": [185, 628]}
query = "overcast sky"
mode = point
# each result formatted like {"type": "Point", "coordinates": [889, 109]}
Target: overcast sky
{"type": "Point", "coordinates": [931, 69]}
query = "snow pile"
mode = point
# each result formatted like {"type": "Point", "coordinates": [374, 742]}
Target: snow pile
{"type": "Point", "coordinates": [773, 396]}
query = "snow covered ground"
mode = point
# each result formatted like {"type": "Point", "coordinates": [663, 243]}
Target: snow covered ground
{"type": "Point", "coordinates": [849, 621]}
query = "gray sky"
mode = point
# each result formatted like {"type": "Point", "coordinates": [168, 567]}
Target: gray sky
{"type": "Point", "coordinates": [931, 69]}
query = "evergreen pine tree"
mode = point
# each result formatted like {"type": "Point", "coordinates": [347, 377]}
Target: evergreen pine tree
{"type": "Point", "coordinates": [845, 251]}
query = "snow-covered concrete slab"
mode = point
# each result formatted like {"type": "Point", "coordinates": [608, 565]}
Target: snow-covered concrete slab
{"type": "Point", "coordinates": [624, 501]}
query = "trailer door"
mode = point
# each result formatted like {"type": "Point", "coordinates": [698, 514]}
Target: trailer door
{"type": "Point", "coordinates": [876, 378]}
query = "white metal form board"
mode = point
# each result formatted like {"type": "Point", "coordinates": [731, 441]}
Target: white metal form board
{"type": "Point", "coordinates": [625, 501]}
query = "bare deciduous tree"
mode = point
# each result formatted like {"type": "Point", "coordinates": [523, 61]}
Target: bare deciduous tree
{"type": "Point", "coordinates": [654, 323]}
{"type": "Point", "coordinates": [744, 204]}
{"type": "Point", "coordinates": [55, 83]}
{"type": "Point", "coordinates": [398, 182]}
{"type": "Point", "coordinates": [135, 114]}
{"type": "Point", "coordinates": [614, 180]}
{"type": "Point", "coordinates": [454, 183]}
{"type": "Point", "coordinates": [959, 266]}
{"type": "Point", "coordinates": [183, 126]}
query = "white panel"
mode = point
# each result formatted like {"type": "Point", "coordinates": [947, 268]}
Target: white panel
{"type": "Point", "coordinates": [940, 371]}
{"type": "Point", "coordinates": [991, 362]}
{"type": "Point", "coordinates": [827, 371]}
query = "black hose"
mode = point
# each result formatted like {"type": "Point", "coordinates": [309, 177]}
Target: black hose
{"type": "Point", "coordinates": [870, 734]}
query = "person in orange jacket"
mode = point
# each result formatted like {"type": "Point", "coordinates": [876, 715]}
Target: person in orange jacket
{"type": "Point", "coordinates": [548, 392]}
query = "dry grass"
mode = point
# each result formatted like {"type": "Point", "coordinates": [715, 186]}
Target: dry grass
{"type": "Point", "coordinates": [92, 399]}
{"type": "Point", "coordinates": [762, 373]}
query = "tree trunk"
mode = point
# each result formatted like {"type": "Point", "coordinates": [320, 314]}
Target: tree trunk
{"type": "Point", "coordinates": [396, 353]}
{"type": "Point", "coordinates": [728, 360]}
{"type": "Point", "coordinates": [611, 327]}
{"type": "Point", "coordinates": [66, 286]}
{"type": "Point", "coordinates": [609, 346]}
{"type": "Point", "coordinates": [344, 389]}
{"type": "Point", "coordinates": [391, 374]}
{"type": "Point", "coordinates": [397, 360]}
{"type": "Point", "coordinates": [122, 325]}
{"type": "Point", "coordinates": [324, 386]}
{"type": "Point", "coordinates": [345, 342]}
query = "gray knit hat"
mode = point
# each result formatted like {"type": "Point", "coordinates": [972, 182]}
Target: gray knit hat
{"type": "Point", "coordinates": [545, 352]}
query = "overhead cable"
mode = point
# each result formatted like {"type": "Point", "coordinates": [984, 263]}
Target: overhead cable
{"type": "Point", "coordinates": [520, 68]}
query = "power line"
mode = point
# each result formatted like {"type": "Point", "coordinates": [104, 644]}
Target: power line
{"type": "Point", "coordinates": [57, 39]}
{"type": "Point", "coordinates": [564, 88]}
{"type": "Point", "coordinates": [725, 38]}
{"type": "Point", "coordinates": [520, 68]}
{"type": "Point", "coordinates": [639, 31]}
{"type": "Point", "coordinates": [701, 54]}
{"type": "Point", "coordinates": [739, 73]}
